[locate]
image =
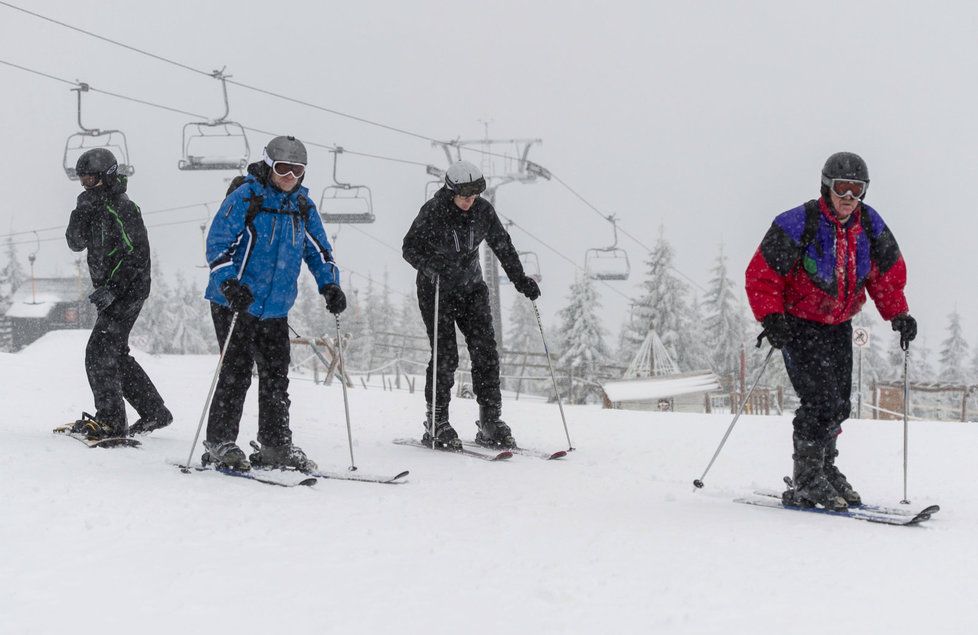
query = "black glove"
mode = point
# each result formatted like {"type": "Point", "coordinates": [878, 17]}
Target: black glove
{"type": "Point", "coordinates": [907, 327]}
{"type": "Point", "coordinates": [335, 298]}
{"type": "Point", "coordinates": [238, 295]}
{"type": "Point", "coordinates": [777, 330]}
{"type": "Point", "coordinates": [438, 265]}
{"type": "Point", "coordinates": [528, 287]}
{"type": "Point", "coordinates": [102, 298]}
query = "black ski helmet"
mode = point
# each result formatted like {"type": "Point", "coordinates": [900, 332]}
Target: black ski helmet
{"type": "Point", "coordinates": [465, 179]}
{"type": "Point", "coordinates": [97, 162]}
{"type": "Point", "coordinates": [844, 165]}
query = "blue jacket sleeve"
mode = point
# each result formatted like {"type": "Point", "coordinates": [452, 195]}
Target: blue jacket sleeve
{"type": "Point", "coordinates": [226, 235]}
{"type": "Point", "coordinates": [317, 252]}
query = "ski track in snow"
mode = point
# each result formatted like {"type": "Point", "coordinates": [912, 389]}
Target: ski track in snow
{"type": "Point", "coordinates": [610, 539]}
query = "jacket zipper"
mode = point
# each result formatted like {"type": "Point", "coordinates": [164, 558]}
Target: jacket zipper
{"type": "Point", "coordinates": [455, 236]}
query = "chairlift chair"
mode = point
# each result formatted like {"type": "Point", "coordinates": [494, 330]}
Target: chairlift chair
{"type": "Point", "coordinates": [433, 186]}
{"type": "Point", "coordinates": [608, 263]}
{"type": "Point", "coordinates": [218, 144]}
{"type": "Point", "coordinates": [87, 138]}
{"type": "Point", "coordinates": [345, 203]}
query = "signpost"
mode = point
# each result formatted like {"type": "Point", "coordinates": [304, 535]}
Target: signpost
{"type": "Point", "coordinates": [860, 339]}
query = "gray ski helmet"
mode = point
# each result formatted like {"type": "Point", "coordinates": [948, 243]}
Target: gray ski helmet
{"type": "Point", "coordinates": [465, 179]}
{"type": "Point", "coordinates": [844, 165]}
{"type": "Point", "coordinates": [97, 162]}
{"type": "Point", "coordinates": [288, 149]}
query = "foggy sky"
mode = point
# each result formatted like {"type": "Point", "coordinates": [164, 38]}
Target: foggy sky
{"type": "Point", "coordinates": [705, 118]}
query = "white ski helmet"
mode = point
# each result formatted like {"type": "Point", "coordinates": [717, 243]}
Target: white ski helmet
{"type": "Point", "coordinates": [465, 179]}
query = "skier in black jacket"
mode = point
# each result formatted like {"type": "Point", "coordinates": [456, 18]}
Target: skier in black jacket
{"type": "Point", "coordinates": [443, 245]}
{"type": "Point", "coordinates": [110, 227]}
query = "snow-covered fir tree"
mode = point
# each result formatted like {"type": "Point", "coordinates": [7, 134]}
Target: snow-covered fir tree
{"type": "Point", "coordinates": [194, 331]}
{"type": "Point", "coordinates": [725, 321]}
{"type": "Point", "coordinates": [523, 336]}
{"type": "Point", "coordinates": [581, 339]}
{"type": "Point", "coordinates": [663, 306]}
{"type": "Point", "coordinates": [954, 352]}
{"type": "Point", "coordinates": [157, 324]}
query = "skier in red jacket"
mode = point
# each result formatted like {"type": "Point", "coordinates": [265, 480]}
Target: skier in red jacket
{"type": "Point", "coordinates": [806, 281]}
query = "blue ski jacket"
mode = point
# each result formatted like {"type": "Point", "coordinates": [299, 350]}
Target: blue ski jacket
{"type": "Point", "coordinates": [260, 235]}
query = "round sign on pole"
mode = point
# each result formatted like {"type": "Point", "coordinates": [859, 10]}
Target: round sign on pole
{"type": "Point", "coordinates": [860, 337]}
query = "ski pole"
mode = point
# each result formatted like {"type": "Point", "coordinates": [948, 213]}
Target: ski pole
{"type": "Point", "coordinates": [906, 409]}
{"type": "Point", "coordinates": [434, 368]}
{"type": "Point", "coordinates": [743, 403]}
{"type": "Point", "coordinates": [327, 364]}
{"type": "Point", "coordinates": [346, 399]}
{"type": "Point", "coordinates": [553, 376]}
{"type": "Point", "coordinates": [210, 394]}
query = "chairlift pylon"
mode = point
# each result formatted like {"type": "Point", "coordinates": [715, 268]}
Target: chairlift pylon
{"type": "Point", "coordinates": [344, 202]}
{"type": "Point", "coordinates": [218, 144]}
{"type": "Point", "coordinates": [88, 138]}
{"type": "Point", "coordinates": [608, 263]}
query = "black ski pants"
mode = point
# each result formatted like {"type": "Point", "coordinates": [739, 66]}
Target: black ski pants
{"type": "Point", "coordinates": [818, 359]}
{"type": "Point", "coordinates": [113, 374]}
{"type": "Point", "coordinates": [468, 307]}
{"type": "Point", "coordinates": [254, 341]}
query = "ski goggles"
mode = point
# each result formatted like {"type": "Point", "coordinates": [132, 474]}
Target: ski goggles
{"type": "Point", "coordinates": [847, 187]}
{"type": "Point", "coordinates": [474, 188]}
{"type": "Point", "coordinates": [283, 168]}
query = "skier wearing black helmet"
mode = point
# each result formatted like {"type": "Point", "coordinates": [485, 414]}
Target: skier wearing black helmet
{"type": "Point", "coordinates": [806, 281]}
{"type": "Point", "coordinates": [264, 230]}
{"type": "Point", "coordinates": [109, 225]}
{"type": "Point", "coordinates": [443, 245]}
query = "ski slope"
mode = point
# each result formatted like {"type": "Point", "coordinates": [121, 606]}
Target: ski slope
{"type": "Point", "coordinates": [612, 539]}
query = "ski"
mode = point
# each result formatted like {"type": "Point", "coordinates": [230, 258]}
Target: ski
{"type": "Point", "coordinates": [880, 509]}
{"type": "Point", "coordinates": [495, 456]}
{"type": "Point", "coordinates": [540, 454]}
{"type": "Point", "coordinates": [856, 513]}
{"type": "Point", "coordinates": [336, 476]}
{"type": "Point", "coordinates": [108, 442]}
{"type": "Point", "coordinates": [309, 481]}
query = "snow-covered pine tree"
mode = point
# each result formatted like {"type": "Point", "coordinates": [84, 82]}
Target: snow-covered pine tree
{"type": "Point", "coordinates": [581, 339]}
{"type": "Point", "coordinates": [664, 306]}
{"type": "Point", "coordinates": [11, 275]}
{"type": "Point", "coordinates": [725, 322]}
{"type": "Point", "coordinates": [194, 331]}
{"type": "Point", "coordinates": [156, 327]}
{"type": "Point", "coordinates": [523, 337]}
{"type": "Point", "coordinates": [954, 352]}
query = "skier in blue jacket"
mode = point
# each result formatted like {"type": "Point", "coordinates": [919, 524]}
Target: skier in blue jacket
{"type": "Point", "coordinates": [264, 229]}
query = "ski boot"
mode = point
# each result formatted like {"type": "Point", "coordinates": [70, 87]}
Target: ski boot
{"type": "Point", "coordinates": [837, 478]}
{"type": "Point", "coordinates": [493, 433]}
{"type": "Point", "coordinates": [281, 456]}
{"type": "Point", "coordinates": [95, 430]}
{"type": "Point", "coordinates": [445, 435]}
{"type": "Point", "coordinates": [226, 454]}
{"type": "Point", "coordinates": [145, 425]}
{"type": "Point", "coordinates": [809, 485]}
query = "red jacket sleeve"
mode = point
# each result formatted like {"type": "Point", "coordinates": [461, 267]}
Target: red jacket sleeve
{"type": "Point", "coordinates": [886, 289]}
{"type": "Point", "coordinates": [765, 287]}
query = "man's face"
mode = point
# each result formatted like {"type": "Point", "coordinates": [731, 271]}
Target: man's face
{"type": "Point", "coordinates": [285, 183]}
{"type": "Point", "coordinates": [843, 206]}
{"type": "Point", "coordinates": [465, 203]}
{"type": "Point", "coordinates": [89, 181]}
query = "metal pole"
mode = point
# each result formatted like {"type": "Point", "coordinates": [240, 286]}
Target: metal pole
{"type": "Point", "coordinates": [859, 386]}
{"type": "Point", "coordinates": [346, 398]}
{"type": "Point", "coordinates": [210, 393]}
{"type": "Point", "coordinates": [699, 482]}
{"type": "Point", "coordinates": [434, 367]}
{"type": "Point", "coordinates": [553, 377]}
{"type": "Point", "coordinates": [906, 410]}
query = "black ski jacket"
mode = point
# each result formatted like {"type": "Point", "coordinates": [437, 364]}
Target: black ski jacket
{"type": "Point", "coordinates": [110, 227]}
{"type": "Point", "coordinates": [442, 229]}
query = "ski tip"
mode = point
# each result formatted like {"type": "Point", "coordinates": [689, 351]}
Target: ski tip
{"type": "Point", "coordinates": [308, 482]}
{"type": "Point", "coordinates": [401, 475]}
{"type": "Point", "coordinates": [505, 454]}
{"type": "Point", "coordinates": [559, 454]}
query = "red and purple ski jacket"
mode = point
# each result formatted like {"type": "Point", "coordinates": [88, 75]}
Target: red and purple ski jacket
{"type": "Point", "coordinates": [813, 267]}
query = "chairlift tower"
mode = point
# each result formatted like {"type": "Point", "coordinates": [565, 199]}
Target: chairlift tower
{"type": "Point", "coordinates": [517, 169]}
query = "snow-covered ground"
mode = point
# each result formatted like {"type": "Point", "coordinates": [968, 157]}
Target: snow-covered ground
{"type": "Point", "coordinates": [612, 539]}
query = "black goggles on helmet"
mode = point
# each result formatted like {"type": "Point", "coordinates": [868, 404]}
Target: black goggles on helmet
{"type": "Point", "coordinates": [469, 189]}
{"type": "Point", "coordinates": [842, 188]}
